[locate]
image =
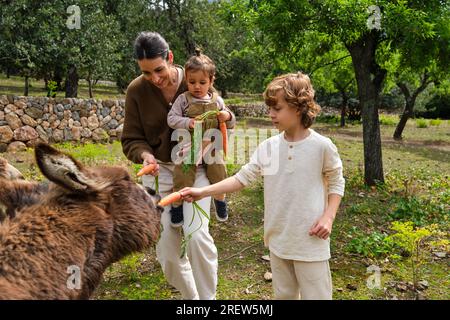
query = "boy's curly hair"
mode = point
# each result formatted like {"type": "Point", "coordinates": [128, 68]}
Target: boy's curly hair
{"type": "Point", "coordinates": [298, 93]}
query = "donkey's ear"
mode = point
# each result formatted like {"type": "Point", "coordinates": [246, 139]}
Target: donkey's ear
{"type": "Point", "coordinates": [64, 170]}
{"type": "Point", "coordinates": [8, 171]}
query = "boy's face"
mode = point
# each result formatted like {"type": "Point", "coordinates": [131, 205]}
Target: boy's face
{"type": "Point", "coordinates": [198, 83]}
{"type": "Point", "coordinates": [283, 116]}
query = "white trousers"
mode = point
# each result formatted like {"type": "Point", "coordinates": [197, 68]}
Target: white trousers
{"type": "Point", "coordinates": [194, 275]}
{"type": "Point", "coordinates": [292, 279]}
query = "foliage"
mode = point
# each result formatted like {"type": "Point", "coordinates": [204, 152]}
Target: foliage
{"type": "Point", "coordinates": [52, 87]}
{"type": "Point", "coordinates": [411, 240]}
{"type": "Point", "coordinates": [421, 123]}
{"type": "Point", "coordinates": [372, 245]}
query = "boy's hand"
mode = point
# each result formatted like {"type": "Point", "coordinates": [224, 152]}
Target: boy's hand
{"type": "Point", "coordinates": [192, 124]}
{"type": "Point", "coordinates": [192, 194]}
{"type": "Point", "coordinates": [322, 227]}
{"type": "Point", "coordinates": [223, 116]}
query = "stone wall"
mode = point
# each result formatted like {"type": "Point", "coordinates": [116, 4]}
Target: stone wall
{"type": "Point", "coordinates": [24, 121]}
{"type": "Point", "coordinates": [250, 110]}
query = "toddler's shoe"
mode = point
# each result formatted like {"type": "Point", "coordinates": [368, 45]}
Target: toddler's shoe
{"type": "Point", "coordinates": [221, 210]}
{"type": "Point", "coordinates": [176, 216]}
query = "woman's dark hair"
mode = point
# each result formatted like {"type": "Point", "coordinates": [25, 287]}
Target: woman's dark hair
{"type": "Point", "coordinates": [150, 45]}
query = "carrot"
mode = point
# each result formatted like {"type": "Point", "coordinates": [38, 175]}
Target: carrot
{"type": "Point", "coordinates": [148, 169]}
{"type": "Point", "coordinates": [223, 130]}
{"type": "Point", "coordinates": [171, 198]}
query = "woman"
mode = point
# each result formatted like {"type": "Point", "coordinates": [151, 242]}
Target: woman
{"type": "Point", "coordinates": [146, 139]}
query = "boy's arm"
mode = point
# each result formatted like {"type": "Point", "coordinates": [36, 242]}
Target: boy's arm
{"type": "Point", "coordinates": [228, 185]}
{"type": "Point", "coordinates": [323, 226]}
{"type": "Point", "coordinates": [175, 118]}
{"type": "Point", "coordinates": [334, 200]}
{"type": "Point", "coordinates": [332, 170]}
{"type": "Point", "coordinates": [246, 175]}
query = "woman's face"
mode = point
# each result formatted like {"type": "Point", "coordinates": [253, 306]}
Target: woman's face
{"type": "Point", "coordinates": [157, 70]}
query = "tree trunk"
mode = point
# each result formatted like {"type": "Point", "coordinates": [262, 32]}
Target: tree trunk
{"type": "Point", "coordinates": [410, 101]}
{"type": "Point", "coordinates": [90, 86]}
{"type": "Point", "coordinates": [27, 86]}
{"type": "Point", "coordinates": [224, 93]}
{"type": "Point", "coordinates": [343, 107]}
{"type": "Point", "coordinates": [407, 113]}
{"type": "Point", "coordinates": [72, 82]}
{"type": "Point", "coordinates": [369, 77]}
{"type": "Point", "coordinates": [58, 77]}
{"type": "Point", "coordinates": [90, 89]}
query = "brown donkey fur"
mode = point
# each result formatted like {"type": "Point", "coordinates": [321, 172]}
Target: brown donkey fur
{"type": "Point", "coordinates": [7, 171]}
{"type": "Point", "coordinates": [11, 200]}
{"type": "Point", "coordinates": [86, 220]}
{"type": "Point", "coordinates": [16, 193]}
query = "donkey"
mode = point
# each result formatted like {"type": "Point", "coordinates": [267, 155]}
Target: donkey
{"type": "Point", "coordinates": [7, 171]}
{"type": "Point", "coordinates": [16, 193]}
{"type": "Point", "coordinates": [88, 219]}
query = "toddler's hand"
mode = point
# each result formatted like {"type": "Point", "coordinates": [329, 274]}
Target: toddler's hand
{"type": "Point", "coordinates": [223, 116]}
{"type": "Point", "coordinates": [192, 124]}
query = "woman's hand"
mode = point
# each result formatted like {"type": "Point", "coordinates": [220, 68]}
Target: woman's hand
{"type": "Point", "coordinates": [148, 158]}
{"type": "Point", "coordinates": [192, 194]}
{"type": "Point", "coordinates": [322, 227]}
{"type": "Point", "coordinates": [223, 116]}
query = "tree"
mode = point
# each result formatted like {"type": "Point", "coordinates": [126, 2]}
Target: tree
{"type": "Point", "coordinates": [362, 28]}
{"type": "Point", "coordinates": [413, 68]}
{"type": "Point", "coordinates": [36, 39]}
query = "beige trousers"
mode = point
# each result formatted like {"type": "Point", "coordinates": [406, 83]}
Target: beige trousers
{"type": "Point", "coordinates": [194, 275]}
{"type": "Point", "coordinates": [293, 280]}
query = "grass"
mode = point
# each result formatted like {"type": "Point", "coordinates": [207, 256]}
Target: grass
{"type": "Point", "coordinates": [416, 189]}
{"type": "Point", "coordinates": [15, 85]}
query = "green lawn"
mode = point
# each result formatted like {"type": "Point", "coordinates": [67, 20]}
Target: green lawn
{"type": "Point", "coordinates": [15, 86]}
{"type": "Point", "coordinates": [416, 189]}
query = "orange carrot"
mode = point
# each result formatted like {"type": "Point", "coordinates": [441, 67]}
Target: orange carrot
{"type": "Point", "coordinates": [223, 130]}
{"type": "Point", "coordinates": [171, 198]}
{"type": "Point", "coordinates": [148, 169]}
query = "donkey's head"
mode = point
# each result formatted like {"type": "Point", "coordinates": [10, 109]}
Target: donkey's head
{"type": "Point", "coordinates": [133, 210]}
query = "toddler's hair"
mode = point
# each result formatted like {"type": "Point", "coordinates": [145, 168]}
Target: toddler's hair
{"type": "Point", "coordinates": [200, 62]}
{"type": "Point", "coordinates": [298, 92]}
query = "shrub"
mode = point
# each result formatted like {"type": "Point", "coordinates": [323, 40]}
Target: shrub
{"type": "Point", "coordinates": [411, 241]}
{"type": "Point", "coordinates": [371, 245]}
{"type": "Point", "coordinates": [388, 120]}
{"type": "Point", "coordinates": [435, 122]}
{"type": "Point", "coordinates": [421, 123]}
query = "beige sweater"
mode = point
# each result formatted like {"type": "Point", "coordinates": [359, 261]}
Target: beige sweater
{"type": "Point", "coordinates": [298, 176]}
